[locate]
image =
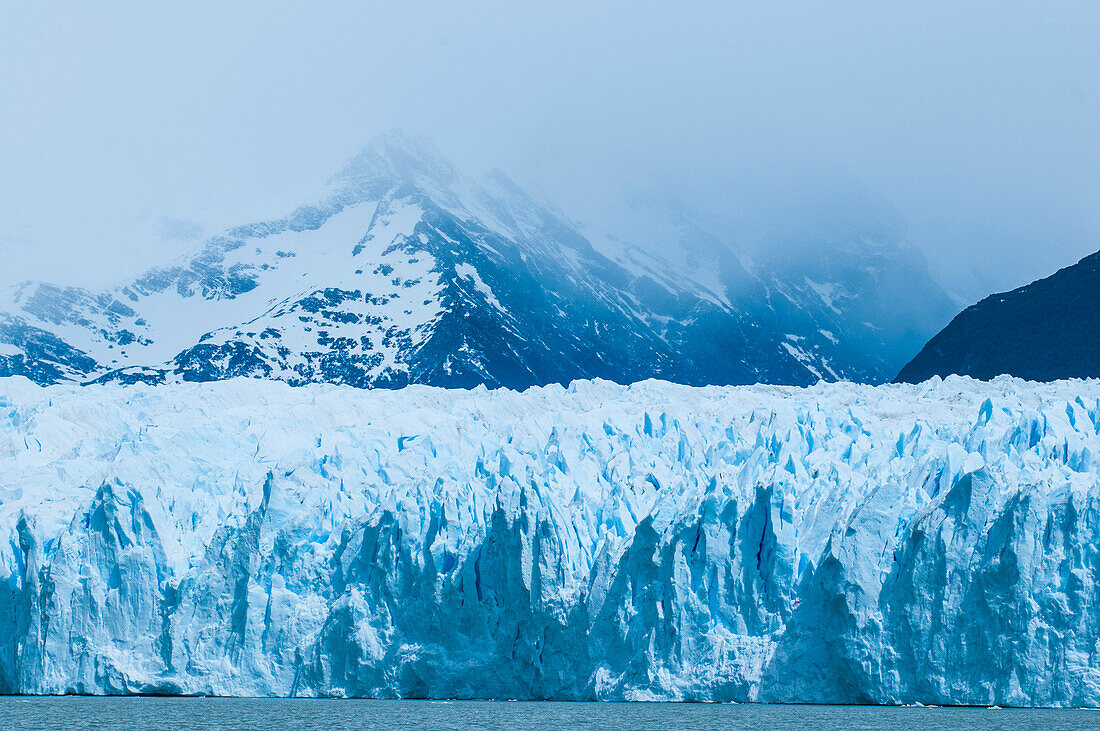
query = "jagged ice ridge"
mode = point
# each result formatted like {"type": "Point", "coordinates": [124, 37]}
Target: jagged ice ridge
{"type": "Point", "coordinates": [935, 543]}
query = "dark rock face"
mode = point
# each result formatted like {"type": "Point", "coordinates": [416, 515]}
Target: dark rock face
{"type": "Point", "coordinates": [1045, 331]}
{"type": "Point", "coordinates": [405, 272]}
{"type": "Point", "coordinates": [45, 358]}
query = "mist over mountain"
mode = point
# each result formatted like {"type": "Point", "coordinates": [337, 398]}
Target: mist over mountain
{"type": "Point", "coordinates": [405, 270]}
{"type": "Point", "coordinates": [976, 123]}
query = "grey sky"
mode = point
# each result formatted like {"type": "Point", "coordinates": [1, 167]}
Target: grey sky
{"type": "Point", "coordinates": [128, 130]}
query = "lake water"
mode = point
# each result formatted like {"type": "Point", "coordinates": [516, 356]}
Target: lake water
{"type": "Point", "coordinates": [260, 714]}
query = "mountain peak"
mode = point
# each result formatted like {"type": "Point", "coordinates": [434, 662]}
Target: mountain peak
{"type": "Point", "coordinates": [395, 157]}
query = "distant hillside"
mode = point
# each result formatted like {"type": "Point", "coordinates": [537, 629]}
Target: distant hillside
{"type": "Point", "coordinates": [1045, 331]}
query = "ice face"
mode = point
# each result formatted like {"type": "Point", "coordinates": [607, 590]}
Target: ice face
{"type": "Point", "coordinates": [935, 543]}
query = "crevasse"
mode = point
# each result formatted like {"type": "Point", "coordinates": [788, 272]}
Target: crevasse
{"type": "Point", "coordinates": [935, 543]}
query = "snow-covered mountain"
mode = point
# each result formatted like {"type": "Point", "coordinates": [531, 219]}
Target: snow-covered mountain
{"type": "Point", "coordinates": [841, 543]}
{"type": "Point", "coordinates": [406, 271]}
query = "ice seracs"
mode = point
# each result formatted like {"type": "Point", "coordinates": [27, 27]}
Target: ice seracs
{"type": "Point", "coordinates": [933, 543]}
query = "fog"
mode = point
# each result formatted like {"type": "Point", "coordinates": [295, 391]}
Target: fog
{"type": "Point", "coordinates": [129, 131]}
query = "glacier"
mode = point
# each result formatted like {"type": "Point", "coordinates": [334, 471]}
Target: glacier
{"type": "Point", "coordinates": [931, 543]}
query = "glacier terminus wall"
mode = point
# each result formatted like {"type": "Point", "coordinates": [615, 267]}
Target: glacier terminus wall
{"type": "Point", "coordinates": [934, 543]}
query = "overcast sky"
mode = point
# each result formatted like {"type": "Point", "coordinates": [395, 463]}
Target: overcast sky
{"type": "Point", "coordinates": [128, 131]}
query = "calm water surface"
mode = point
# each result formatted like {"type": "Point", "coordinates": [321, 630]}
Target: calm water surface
{"type": "Point", "coordinates": [261, 714]}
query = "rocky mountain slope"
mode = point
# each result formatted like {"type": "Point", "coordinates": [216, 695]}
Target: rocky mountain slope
{"type": "Point", "coordinates": [406, 271]}
{"type": "Point", "coordinates": [1048, 330]}
{"type": "Point", "coordinates": [841, 543]}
